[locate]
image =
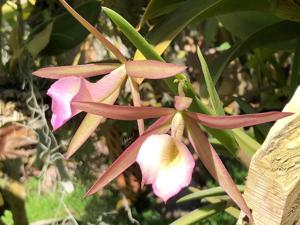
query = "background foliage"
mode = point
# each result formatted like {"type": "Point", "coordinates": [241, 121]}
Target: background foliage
{"type": "Point", "coordinates": [253, 55]}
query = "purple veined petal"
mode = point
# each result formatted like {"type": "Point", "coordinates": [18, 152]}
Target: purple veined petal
{"type": "Point", "coordinates": [63, 92]}
{"type": "Point", "coordinates": [87, 70]}
{"type": "Point", "coordinates": [236, 121]}
{"type": "Point", "coordinates": [128, 157]}
{"type": "Point", "coordinates": [166, 163]}
{"type": "Point", "coordinates": [151, 69]}
{"type": "Point", "coordinates": [214, 165]}
{"type": "Point", "coordinates": [119, 112]}
{"type": "Point", "coordinates": [182, 103]}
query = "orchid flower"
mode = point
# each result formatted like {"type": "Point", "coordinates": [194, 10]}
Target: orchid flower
{"type": "Point", "coordinates": [105, 91]}
{"type": "Point", "coordinates": [72, 86]}
{"type": "Point", "coordinates": [165, 161]}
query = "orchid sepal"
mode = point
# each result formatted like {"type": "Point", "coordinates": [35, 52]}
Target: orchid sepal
{"type": "Point", "coordinates": [236, 121]}
{"type": "Point", "coordinates": [120, 112]}
{"type": "Point", "coordinates": [85, 70]}
{"type": "Point", "coordinates": [214, 164]}
{"type": "Point", "coordinates": [152, 69]}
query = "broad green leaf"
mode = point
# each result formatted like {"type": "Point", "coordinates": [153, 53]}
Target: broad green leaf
{"type": "Point", "coordinates": [67, 33]}
{"type": "Point", "coordinates": [266, 36]}
{"type": "Point", "coordinates": [243, 24]}
{"type": "Point", "coordinates": [200, 214]}
{"type": "Point", "coordinates": [162, 34]}
{"type": "Point", "coordinates": [213, 95]}
{"type": "Point", "coordinates": [295, 76]}
{"type": "Point", "coordinates": [215, 191]}
{"type": "Point", "coordinates": [157, 8]}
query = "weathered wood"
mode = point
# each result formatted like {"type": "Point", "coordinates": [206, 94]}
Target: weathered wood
{"type": "Point", "coordinates": [273, 184]}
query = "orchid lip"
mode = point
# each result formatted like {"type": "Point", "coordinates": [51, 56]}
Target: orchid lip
{"type": "Point", "coordinates": [166, 163]}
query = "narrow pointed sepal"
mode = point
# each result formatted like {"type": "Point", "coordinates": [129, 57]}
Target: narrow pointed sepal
{"type": "Point", "coordinates": [87, 70]}
{"type": "Point", "coordinates": [120, 112]}
{"type": "Point", "coordinates": [151, 69]}
{"type": "Point", "coordinates": [237, 121]}
{"type": "Point", "coordinates": [214, 165]}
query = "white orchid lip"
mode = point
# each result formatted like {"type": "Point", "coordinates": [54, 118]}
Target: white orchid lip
{"type": "Point", "coordinates": [166, 163]}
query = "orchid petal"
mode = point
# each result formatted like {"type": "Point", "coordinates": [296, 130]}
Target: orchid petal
{"type": "Point", "coordinates": [152, 69]}
{"type": "Point", "coordinates": [68, 89]}
{"type": "Point", "coordinates": [166, 163]}
{"type": "Point", "coordinates": [87, 70]}
{"type": "Point", "coordinates": [108, 90]}
{"type": "Point", "coordinates": [108, 84]}
{"type": "Point", "coordinates": [182, 103]}
{"type": "Point", "coordinates": [128, 157]}
{"type": "Point", "coordinates": [62, 93]}
{"type": "Point", "coordinates": [119, 112]}
{"type": "Point", "coordinates": [214, 165]}
{"type": "Point", "coordinates": [236, 121]}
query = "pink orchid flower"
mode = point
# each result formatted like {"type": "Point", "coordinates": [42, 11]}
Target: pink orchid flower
{"type": "Point", "coordinates": [72, 86]}
{"type": "Point", "coordinates": [165, 161]}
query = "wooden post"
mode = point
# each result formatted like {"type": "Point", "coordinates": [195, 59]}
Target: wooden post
{"type": "Point", "coordinates": [273, 183]}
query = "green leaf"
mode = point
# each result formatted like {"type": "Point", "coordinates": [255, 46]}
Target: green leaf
{"type": "Point", "coordinates": [215, 191]}
{"type": "Point", "coordinates": [67, 32]}
{"type": "Point", "coordinates": [213, 95]}
{"type": "Point", "coordinates": [287, 9]}
{"type": "Point", "coordinates": [174, 23]}
{"type": "Point", "coordinates": [247, 143]}
{"type": "Point", "coordinates": [39, 41]}
{"type": "Point", "coordinates": [133, 36]}
{"type": "Point", "coordinates": [200, 214]}
{"type": "Point", "coordinates": [156, 8]}
{"type": "Point", "coordinates": [243, 24]}
{"type": "Point", "coordinates": [266, 36]}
